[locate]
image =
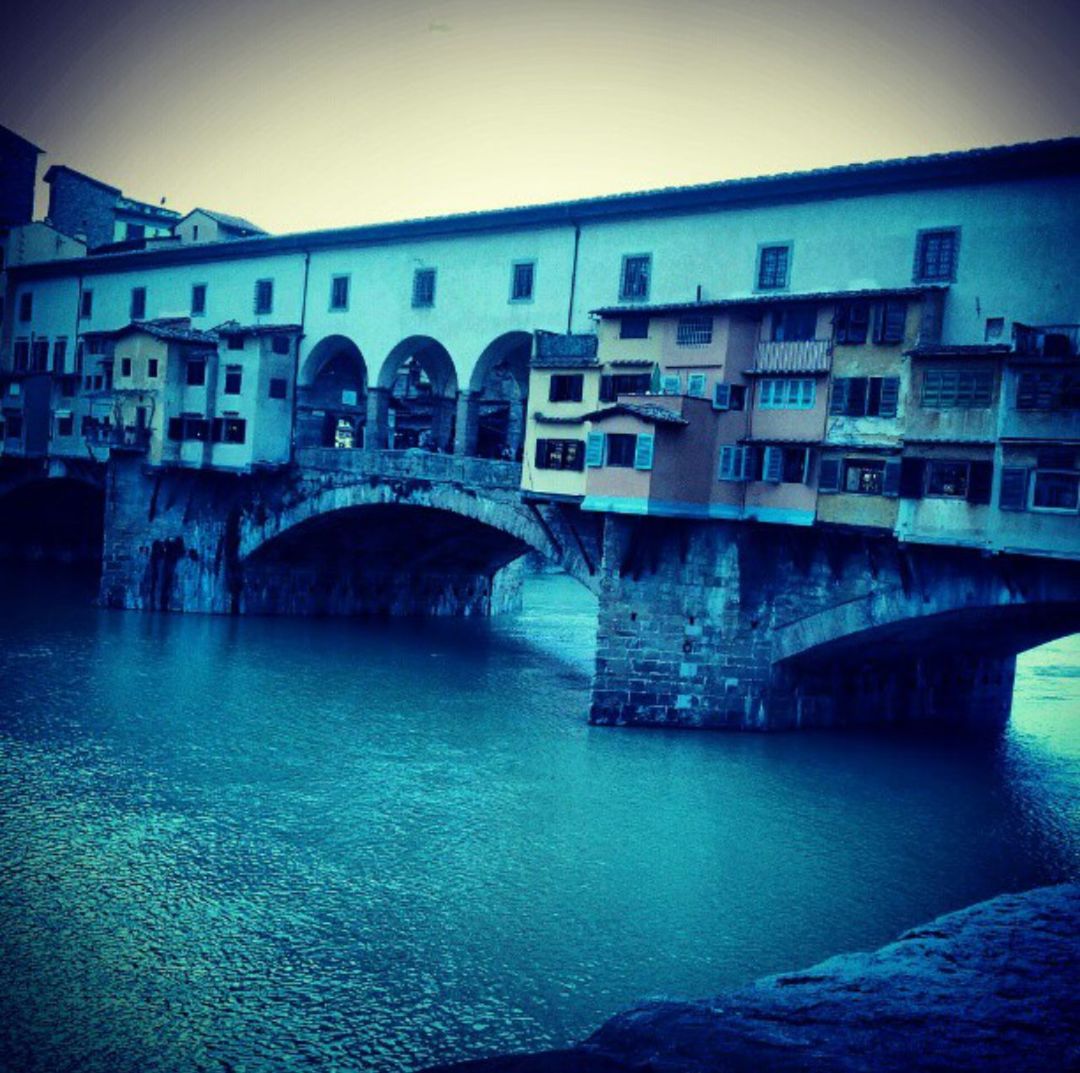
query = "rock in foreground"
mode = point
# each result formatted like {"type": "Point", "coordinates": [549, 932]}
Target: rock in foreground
{"type": "Point", "coordinates": [992, 987]}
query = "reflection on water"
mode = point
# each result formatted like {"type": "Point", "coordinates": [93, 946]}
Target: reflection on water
{"type": "Point", "coordinates": [235, 844]}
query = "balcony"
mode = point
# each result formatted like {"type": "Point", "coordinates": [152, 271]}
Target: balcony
{"type": "Point", "coordinates": [800, 356]}
{"type": "Point", "coordinates": [129, 439]}
{"type": "Point", "coordinates": [1046, 341]}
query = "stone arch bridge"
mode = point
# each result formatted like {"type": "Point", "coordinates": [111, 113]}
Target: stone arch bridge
{"type": "Point", "coordinates": [700, 624]}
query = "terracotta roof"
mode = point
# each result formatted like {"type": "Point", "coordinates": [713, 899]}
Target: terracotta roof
{"type": "Point", "coordinates": [557, 351]}
{"type": "Point", "coordinates": [1041, 159]}
{"type": "Point", "coordinates": [233, 327]}
{"type": "Point", "coordinates": [232, 223]}
{"type": "Point", "coordinates": [772, 298]}
{"type": "Point", "coordinates": [171, 329]}
{"type": "Point", "coordinates": [647, 411]}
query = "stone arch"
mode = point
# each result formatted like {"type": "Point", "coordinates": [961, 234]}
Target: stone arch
{"type": "Point", "coordinates": [390, 547]}
{"type": "Point", "coordinates": [331, 400]}
{"type": "Point", "coordinates": [56, 515]}
{"type": "Point", "coordinates": [415, 401]}
{"type": "Point", "coordinates": [494, 419]}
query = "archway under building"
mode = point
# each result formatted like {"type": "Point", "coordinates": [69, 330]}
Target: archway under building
{"type": "Point", "coordinates": [498, 394]}
{"type": "Point", "coordinates": [56, 520]}
{"type": "Point", "coordinates": [416, 403]}
{"type": "Point", "coordinates": [331, 401]}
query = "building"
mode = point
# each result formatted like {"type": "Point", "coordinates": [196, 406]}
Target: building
{"type": "Point", "coordinates": [206, 225]}
{"type": "Point", "coordinates": [99, 214]}
{"type": "Point", "coordinates": [18, 179]}
{"type": "Point", "coordinates": [883, 346]}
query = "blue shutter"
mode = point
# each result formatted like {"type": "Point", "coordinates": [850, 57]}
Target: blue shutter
{"type": "Point", "coordinates": [890, 396]}
{"type": "Point", "coordinates": [721, 399]}
{"type": "Point", "coordinates": [838, 404]}
{"type": "Point", "coordinates": [696, 385]}
{"type": "Point", "coordinates": [890, 484]}
{"type": "Point", "coordinates": [643, 450]}
{"type": "Point", "coordinates": [773, 468]}
{"type": "Point", "coordinates": [1014, 485]}
{"type": "Point", "coordinates": [829, 475]}
{"type": "Point", "coordinates": [594, 449]}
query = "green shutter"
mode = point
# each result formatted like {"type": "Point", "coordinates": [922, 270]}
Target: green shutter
{"type": "Point", "coordinates": [980, 482]}
{"type": "Point", "coordinates": [890, 484]}
{"type": "Point", "coordinates": [838, 405]}
{"type": "Point", "coordinates": [594, 450]}
{"type": "Point", "coordinates": [890, 396]}
{"type": "Point", "coordinates": [643, 450]}
{"type": "Point", "coordinates": [829, 475]}
{"type": "Point", "coordinates": [773, 467]}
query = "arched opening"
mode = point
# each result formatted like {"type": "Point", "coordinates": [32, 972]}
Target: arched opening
{"type": "Point", "coordinates": [416, 402]}
{"type": "Point", "coordinates": [385, 559]}
{"type": "Point", "coordinates": [331, 400]}
{"type": "Point", "coordinates": [498, 394]}
{"type": "Point", "coordinates": [59, 520]}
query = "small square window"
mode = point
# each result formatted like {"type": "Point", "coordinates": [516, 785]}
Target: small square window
{"type": "Point", "coordinates": [772, 269]}
{"type": "Point", "coordinates": [935, 255]}
{"type": "Point", "coordinates": [423, 288]}
{"type": "Point", "coordinates": [196, 372]}
{"type": "Point", "coordinates": [339, 293]}
{"type": "Point", "coordinates": [279, 387]}
{"type": "Point", "coordinates": [152, 368]}
{"type": "Point", "coordinates": [280, 344]}
{"type": "Point", "coordinates": [634, 284]}
{"type": "Point", "coordinates": [635, 326]}
{"type": "Point", "coordinates": [264, 297]}
{"type": "Point", "coordinates": [521, 281]}
{"type": "Point", "coordinates": [198, 299]}
{"type": "Point", "coordinates": [234, 342]}
{"type": "Point", "coordinates": [138, 303]}
{"type": "Point", "coordinates": [234, 376]}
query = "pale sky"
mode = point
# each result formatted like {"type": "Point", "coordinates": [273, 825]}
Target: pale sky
{"type": "Point", "coordinates": [328, 113]}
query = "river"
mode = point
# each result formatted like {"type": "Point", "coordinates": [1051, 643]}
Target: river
{"type": "Point", "coordinates": [240, 844]}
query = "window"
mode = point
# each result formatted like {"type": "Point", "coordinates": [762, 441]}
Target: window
{"type": "Point", "coordinates": [152, 368]}
{"type": "Point", "coordinates": [560, 454]}
{"type": "Point", "coordinates": [279, 387]}
{"type": "Point", "coordinates": [65, 423]}
{"type": "Point", "coordinates": [864, 477]}
{"type": "Point", "coordinates": [521, 281]}
{"type": "Point", "coordinates": [634, 283]}
{"type": "Point", "coordinates": [280, 344]}
{"type": "Point", "coordinates": [13, 423]}
{"type": "Point", "coordinates": [772, 268]}
{"type": "Point", "coordinates": [125, 367]}
{"type": "Point", "coordinates": [21, 355]}
{"type": "Point", "coordinates": [794, 323]}
{"type": "Point", "coordinates": [621, 448]}
{"type": "Point", "coordinates": [852, 323]}
{"type": "Point", "coordinates": [635, 326]}
{"type": "Point", "coordinates": [729, 397]}
{"type": "Point", "coordinates": [1055, 491]}
{"type": "Point", "coordinates": [133, 231]}
{"type": "Point", "coordinates": [59, 355]}
{"type": "Point", "coordinates": [86, 305]}
{"type": "Point", "coordinates": [423, 288]}
{"type": "Point", "coordinates": [234, 375]}
{"type": "Point", "coordinates": [196, 372]}
{"type": "Point", "coordinates": [264, 296]}
{"type": "Point", "coordinates": [1048, 391]}
{"type": "Point", "coordinates": [138, 303]}
{"type": "Point", "coordinates": [234, 342]}
{"type": "Point", "coordinates": [695, 385]}
{"type": "Point", "coordinates": [68, 386]}
{"type": "Point", "coordinates": [935, 255]}
{"type": "Point", "coordinates": [694, 331]}
{"type": "Point", "coordinates": [892, 317]}
{"type": "Point", "coordinates": [786, 394]}
{"type": "Point", "coordinates": [733, 463]}
{"type": "Point", "coordinates": [995, 329]}
{"type": "Point", "coordinates": [566, 387]}
{"type": "Point", "coordinates": [947, 479]}
{"type": "Point", "coordinates": [950, 389]}
{"type": "Point", "coordinates": [339, 293]}
{"type": "Point", "coordinates": [189, 427]}
{"type": "Point", "coordinates": [26, 306]}
{"type": "Point", "coordinates": [229, 429]}
{"type": "Point", "coordinates": [39, 355]}
{"type": "Point", "coordinates": [858, 396]}
{"type": "Point", "coordinates": [611, 387]}
{"type": "Point", "coordinates": [671, 384]}
{"type": "Point", "coordinates": [198, 299]}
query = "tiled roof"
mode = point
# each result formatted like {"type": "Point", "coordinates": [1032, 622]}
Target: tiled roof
{"type": "Point", "coordinates": [232, 223]}
{"type": "Point", "coordinates": [171, 329]}
{"type": "Point", "coordinates": [959, 350]}
{"type": "Point", "coordinates": [647, 411]}
{"type": "Point", "coordinates": [145, 208]}
{"type": "Point", "coordinates": [233, 327]}
{"type": "Point", "coordinates": [773, 298]}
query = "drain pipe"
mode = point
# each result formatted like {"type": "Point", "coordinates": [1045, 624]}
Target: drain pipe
{"type": "Point", "coordinates": [573, 278]}
{"type": "Point", "coordinates": [296, 364]}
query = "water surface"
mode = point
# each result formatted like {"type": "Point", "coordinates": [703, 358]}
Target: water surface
{"type": "Point", "coordinates": [239, 844]}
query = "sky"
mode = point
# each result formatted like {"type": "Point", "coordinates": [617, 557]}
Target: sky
{"type": "Point", "coordinates": [327, 113]}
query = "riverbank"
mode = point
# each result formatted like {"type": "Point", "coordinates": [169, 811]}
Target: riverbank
{"type": "Point", "coordinates": [991, 987]}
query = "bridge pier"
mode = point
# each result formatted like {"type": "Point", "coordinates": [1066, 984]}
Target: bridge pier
{"type": "Point", "coordinates": [700, 626]}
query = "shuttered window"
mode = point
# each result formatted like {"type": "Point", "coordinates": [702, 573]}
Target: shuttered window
{"type": "Point", "coordinates": [721, 397]}
{"type": "Point", "coordinates": [671, 384]}
{"type": "Point", "coordinates": [852, 322]}
{"type": "Point", "coordinates": [772, 273]}
{"type": "Point", "coordinates": [634, 282]}
{"type": "Point", "coordinates": [950, 389]}
{"type": "Point", "coordinates": [566, 387]}
{"type": "Point", "coordinates": [829, 475]}
{"type": "Point", "coordinates": [892, 315]}
{"type": "Point", "coordinates": [620, 449]}
{"type": "Point", "coordinates": [594, 449]}
{"type": "Point", "coordinates": [1013, 492]}
{"type": "Point", "coordinates": [861, 396]}
{"type": "Point", "coordinates": [733, 463]}
{"type": "Point", "coordinates": [935, 255]}
{"type": "Point", "coordinates": [695, 385]}
{"type": "Point", "coordinates": [643, 450]}
{"type": "Point", "coordinates": [786, 394]}
{"type": "Point", "coordinates": [560, 454]}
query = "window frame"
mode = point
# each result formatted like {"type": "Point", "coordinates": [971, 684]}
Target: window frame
{"type": "Point", "coordinates": [694, 329]}
{"type": "Point", "coordinates": [233, 383]}
{"type": "Point", "coordinates": [922, 237]}
{"type": "Point", "coordinates": [139, 302]}
{"type": "Point", "coordinates": [340, 278]}
{"type": "Point", "coordinates": [573, 384]}
{"type": "Point", "coordinates": [424, 297]}
{"type": "Point", "coordinates": [788, 246]}
{"type": "Point", "coordinates": [264, 309]}
{"type": "Point", "coordinates": [198, 309]}
{"type": "Point", "coordinates": [624, 446]}
{"type": "Point", "coordinates": [570, 453]}
{"type": "Point", "coordinates": [522, 299]}
{"type": "Point", "coordinates": [625, 294]}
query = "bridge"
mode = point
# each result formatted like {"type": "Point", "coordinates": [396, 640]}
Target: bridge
{"type": "Point", "coordinates": [701, 623]}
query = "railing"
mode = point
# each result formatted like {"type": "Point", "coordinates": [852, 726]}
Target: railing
{"type": "Point", "coordinates": [413, 464]}
{"type": "Point", "coordinates": [802, 356]}
{"type": "Point", "coordinates": [118, 437]}
{"type": "Point", "coordinates": [1047, 340]}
